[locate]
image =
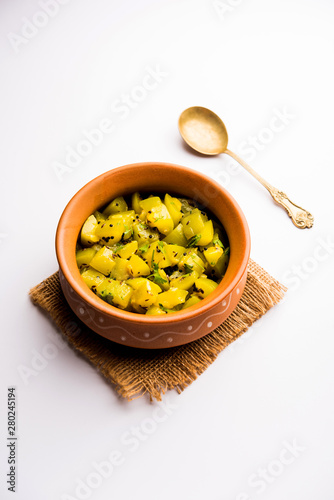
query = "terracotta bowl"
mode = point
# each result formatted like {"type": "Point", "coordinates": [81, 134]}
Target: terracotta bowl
{"type": "Point", "coordinates": [137, 330]}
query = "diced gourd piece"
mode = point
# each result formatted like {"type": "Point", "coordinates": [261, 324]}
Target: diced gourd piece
{"type": "Point", "coordinates": [105, 290]}
{"type": "Point", "coordinates": [206, 234]}
{"type": "Point", "coordinates": [92, 278]}
{"type": "Point", "coordinates": [216, 242]}
{"type": "Point", "coordinates": [122, 295]}
{"type": "Point", "coordinates": [103, 261]}
{"type": "Point", "coordinates": [193, 224]}
{"type": "Point", "coordinates": [137, 308]}
{"type": "Point", "coordinates": [161, 220]}
{"type": "Point", "coordinates": [191, 262]}
{"type": "Point", "coordinates": [193, 300]}
{"type": "Point", "coordinates": [150, 203]}
{"type": "Point", "coordinates": [116, 206]}
{"type": "Point", "coordinates": [99, 217]}
{"type": "Point", "coordinates": [176, 274]}
{"type": "Point", "coordinates": [184, 282]}
{"type": "Point", "coordinates": [160, 278]}
{"type": "Point", "coordinates": [115, 248]}
{"type": "Point", "coordinates": [220, 238]}
{"type": "Point", "coordinates": [145, 295]}
{"type": "Point", "coordinates": [138, 267]}
{"type": "Point", "coordinates": [123, 298]}
{"type": "Point", "coordinates": [88, 232]}
{"type": "Point", "coordinates": [115, 293]}
{"type": "Point", "coordinates": [204, 286]}
{"type": "Point", "coordinates": [174, 253]}
{"type": "Point", "coordinates": [171, 298]}
{"type": "Point", "coordinates": [127, 250]}
{"type": "Point", "coordinates": [143, 248]}
{"type": "Point", "coordinates": [110, 231]}
{"type": "Point", "coordinates": [97, 247]}
{"type": "Point", "coordinates": [84, 256]}
{"type": "Point", "coordinates": [217, 237]}
{"type": "Point", "coordinates": [200, 254]}
{"type": "Point", "coordinates": [120, 270]}
{"type": "Point", "coordinates": [155, 310]}
{"type": "Point", "coordinates": [143, 234]}
{"type": "Point", "coordinates": [128, 219]}
{"type": "Point", "coordinates": [187, 205]}
{"type": "Point", "coordinates": [137, 282]}
{"type": "Point", "coordinates": [156, 254]}
{"type": "Point", "coordinates": [142, 216]}
{"type": "Point", "coordinates": [213, 254]}
{"type": "Point", "coordinates": [177, 237]}
{"type": "Point", "coordinates": [157, 214]}
{"type": "Point", "coordinates": [135, 202]}
{"type": "Point", "coordinates": [221, 266]}
{"type": "Point", "coordinates": [174, 208]}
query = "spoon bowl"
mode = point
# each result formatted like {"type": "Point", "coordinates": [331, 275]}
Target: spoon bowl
{"type": "Point", "coordinates": [203, 130]}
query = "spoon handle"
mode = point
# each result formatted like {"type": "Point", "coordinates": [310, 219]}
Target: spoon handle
{"type": "Point", "coordinates": [300, 217]}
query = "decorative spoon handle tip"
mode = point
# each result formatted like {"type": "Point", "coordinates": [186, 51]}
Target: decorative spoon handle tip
{"type": "Point", "coordinates": [299, 216]}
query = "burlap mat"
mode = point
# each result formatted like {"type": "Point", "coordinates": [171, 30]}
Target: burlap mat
{"type": "Point", "coordinates": [135, 372]}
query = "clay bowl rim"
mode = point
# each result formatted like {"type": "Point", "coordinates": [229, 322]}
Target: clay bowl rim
{"type": "Point", "coordinates": [72, 275]}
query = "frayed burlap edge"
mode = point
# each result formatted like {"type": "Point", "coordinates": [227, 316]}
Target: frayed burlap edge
{"type": "Point", "coordinates": [135, 372]}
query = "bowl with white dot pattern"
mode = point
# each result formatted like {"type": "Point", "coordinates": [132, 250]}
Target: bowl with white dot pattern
{"type": "Point", "coordinates": [138, 330]}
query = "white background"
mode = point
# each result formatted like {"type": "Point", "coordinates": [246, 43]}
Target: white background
{"type": "Point", "coordinates": [247, 60]}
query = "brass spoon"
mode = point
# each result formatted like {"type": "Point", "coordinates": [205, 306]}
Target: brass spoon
{"type": "Point", "coordinates": [205, 132]}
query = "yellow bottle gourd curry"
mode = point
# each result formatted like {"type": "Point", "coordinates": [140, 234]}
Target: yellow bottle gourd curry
{"type": "Point", "coordinates": [152, 255]}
